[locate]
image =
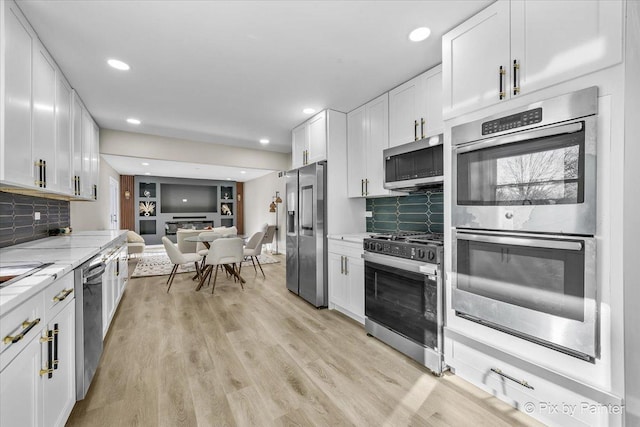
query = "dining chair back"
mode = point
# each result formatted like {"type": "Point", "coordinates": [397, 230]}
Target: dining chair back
{"type": "Point", "coordinates": [184, 246]}
{"type": "Point", "coordinates": [227, 252]}
{"type": "Point", "coordinates": [253, 249]}
{"type": "Point", "coordinates": [177, 258]}
{"type": "Point", "coordinates": [201, 248]}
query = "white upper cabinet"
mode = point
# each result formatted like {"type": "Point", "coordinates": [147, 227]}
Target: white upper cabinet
{"type": "Point", "coordinates": [15, 90]}
{"type": "Point", "coordinates": [86, 182]}
{"type": "Point", "coordinates": [299, 146]}
{"type": "Point", "coordinates": [554, 41]}
{"type": "Point", "coordinates": [404, 113]}
{"type": "Point", "coordinates": [64, 142]}
{"type": "Point", "coordinates": [367, 137]}
{"type": "Point", "coordinates": [415, 108]}
{"type": "Point", "coordinates": [76, 128]}
{"type": "Point", "coordinates": [37, 129]}
{"type": "Point", "coordinates": [513, 48]}
{"type": "Point", "coordinates": [317, 150]}
{"type": "Point", "coordinates": [309, 141]}
{"type": "Point", "coordinates": [475, 60]}
{"type": "Point", "coordinates": [44, 117]}
{"type": "Point", "coordinates": [356, 149]}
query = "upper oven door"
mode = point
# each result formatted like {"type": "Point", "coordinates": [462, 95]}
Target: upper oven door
{"type": "Point", "coordinates": [539, 180]}
{"type": "Point", "coordinates": [539, 286]}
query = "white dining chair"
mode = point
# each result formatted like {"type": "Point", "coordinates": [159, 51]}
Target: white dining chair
{"type": "Point", "coordinates": [253, 249]}
{"type": "Point", "coordinates": [178, 258]}
{"type": "Point", "coordinates": [224, 252]}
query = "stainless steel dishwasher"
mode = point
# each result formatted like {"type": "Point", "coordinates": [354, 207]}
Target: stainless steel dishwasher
{"type": "Point", "coordinates": [88, 290]}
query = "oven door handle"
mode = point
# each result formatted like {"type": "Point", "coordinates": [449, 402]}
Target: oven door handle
{"type": "Point", "coordinates": [520, 136]}
{"type": "Point", "coordinates": [522, 241]}
{"type": "Point", "coordinates": [404, 264]}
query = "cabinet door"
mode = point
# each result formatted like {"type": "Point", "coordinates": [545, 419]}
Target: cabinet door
{"type": "Point", "coordinates": [64, 141]}
{"type": "Point", "coordinates": [87, 135]}
{"type": "Point", "coordinates": [95, 159]}
{"type": "Point", "coordinates": [356, 152]}
{"type": "Point", "coordinates": [432, 83]}
{"type": "Point", "coordinates": [107, 296]}
{"type": "Point", "coordinates": [17, 59]}
{"type": "Point", "coordinates": [377, 139]}
{"type": "Point", "coordinates": [298, 146]}
{"type": "Point", "coordinates": [403, 113]}
{"type": "Point", "coordinates": [77, 139]}
{"type": "Point", "coordinates": [60, 389]}
{"type": "Point", "coordinates": [554, 41]}
{"type": "Point", "coordinates": [44, 119]}
{"type": "Point", "coordinates": [21, 388]}
{"type": "Point", "coordinates": [317, 138]}
{"type": "Point", "coordinates": [337, 287]}
{"type": "Point", "coordinates": [472, 55]}
{"type": "Point", "coordinates": [355, 286]}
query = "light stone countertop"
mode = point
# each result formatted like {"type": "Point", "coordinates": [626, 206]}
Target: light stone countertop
{"type": "Point", "coordinates": [352, 238]}
{"type": "Point", "coordinates": [65, 252]}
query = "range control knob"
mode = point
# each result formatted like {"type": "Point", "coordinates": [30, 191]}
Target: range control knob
{"type": "Point", "coordinates": [379, 247]}
{"type": "Point", "coordinates": [420, 253]}
{"type": "Point", "coordinates": [431, 255]}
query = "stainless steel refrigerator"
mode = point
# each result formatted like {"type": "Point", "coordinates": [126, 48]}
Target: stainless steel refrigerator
{"type": "Point", "coordinates": [306, 239]}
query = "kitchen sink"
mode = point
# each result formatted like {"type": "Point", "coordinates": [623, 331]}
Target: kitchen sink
{"type": "Point", "coordinates": [12, 272]}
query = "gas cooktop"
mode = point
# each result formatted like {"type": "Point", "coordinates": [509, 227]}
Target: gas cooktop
{"type": "Point", "coordinates": [412, 237]}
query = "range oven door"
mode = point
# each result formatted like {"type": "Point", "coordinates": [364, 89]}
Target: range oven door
{"type": "Point", "coordinates": [404, 296]}
{"type": "Point", "coordinates": [539, 287]}
{"type": "Point", "coordinates": [536, 180]}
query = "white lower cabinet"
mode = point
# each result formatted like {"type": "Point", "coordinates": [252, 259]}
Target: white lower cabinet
{"type": "Point", "coordinates": [114, 281]}
{"type": "Point", "coordinates": [552, 401]}
{"type": "Point", "coordinates": [38, 378]}
{"type": "Point", "coordinates": [21, 389]}
{"type": "Point", "coordinates": [346, 279]}
{"type": "Point", "coordinates": [60, 388]}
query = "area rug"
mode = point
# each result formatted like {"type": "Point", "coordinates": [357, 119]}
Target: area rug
{"type": "Point", "coordinates": [157, 263]}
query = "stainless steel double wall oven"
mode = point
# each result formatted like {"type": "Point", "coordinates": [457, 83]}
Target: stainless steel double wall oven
{"type": "Point", "coordinates": [524, 251]}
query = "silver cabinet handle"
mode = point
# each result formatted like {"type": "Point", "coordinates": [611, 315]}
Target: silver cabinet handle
{"type": "Point", "coordinates": [523, 383]}
{"type": "Point", "coordinates": [346, 266]}
{"type": "Point", "coordinates": [341, 264]}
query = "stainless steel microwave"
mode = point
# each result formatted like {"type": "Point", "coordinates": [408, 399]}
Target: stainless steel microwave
{"type": "Point", "coordinates": [414, 166]}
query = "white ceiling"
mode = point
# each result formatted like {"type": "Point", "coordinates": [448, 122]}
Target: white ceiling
{"type": "Point", "coordinates": [134, 166]}
{"type": "Point", "coordinates": [232, 72]}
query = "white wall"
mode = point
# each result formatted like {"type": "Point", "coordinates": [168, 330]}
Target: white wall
{"type": "Point", "coordinates": [94, 215]}
{"type": "Point", "coordinates": [258, 194]}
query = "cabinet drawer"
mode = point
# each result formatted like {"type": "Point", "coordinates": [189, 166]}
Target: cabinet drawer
{"type": "Point", "coordinates": [551, 403]}
{"type": "Point", "coordinates": [345, 248]}
{"type": "Point", "coordinates": [19, 326]}
{"type": "Point", "coordinates": [58, 294]}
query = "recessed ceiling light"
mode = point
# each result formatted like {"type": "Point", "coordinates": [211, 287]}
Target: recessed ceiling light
{"type": "Point", "coordinates": [145, 164]}
{"type": "Point", "coordinates": [243, 171]}
{"type": "Point", "coordinates": [264, 141]}
{"type": "Point", "coordinates": [118, 65]}
{"type": "Point", "coordinates": [308, 111]}
{"type": "Point", "coordinates": [133, 121]}
{"type": "Point", "coordinates": [184, 200]}
{"type": "Point", "coordinates": [419, 34]}
{"type": "Point", "coordinates": [228, 179]}
{"type": "Point", "coordinates": [147, 173]}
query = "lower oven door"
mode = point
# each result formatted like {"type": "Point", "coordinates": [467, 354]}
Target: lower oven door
{"type": "Point", "coordinates": [539, 287]}
{"type": "Point", "coordinates": [404, 296]}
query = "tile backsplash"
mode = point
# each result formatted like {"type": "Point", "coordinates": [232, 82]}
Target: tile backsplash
{"type": "Point", "coordinates": [17, 217]}
{"type": "Point", "coordinates": [416, 212]}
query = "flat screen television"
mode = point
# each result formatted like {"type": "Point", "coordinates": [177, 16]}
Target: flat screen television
{"type": "Point", "coordinates": [182, 198]}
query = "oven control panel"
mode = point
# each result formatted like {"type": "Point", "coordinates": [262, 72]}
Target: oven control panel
{"type": "Point", "coordinates": [513, 121]}
{"type": "Point", "coordinates": [402, 250]}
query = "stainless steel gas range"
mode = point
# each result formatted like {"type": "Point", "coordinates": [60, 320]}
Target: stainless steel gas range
{"type": "Point", "coordinates": [404, 294]}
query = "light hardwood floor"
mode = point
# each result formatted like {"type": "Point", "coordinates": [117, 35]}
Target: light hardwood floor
{"type": "Point", "coordinates": [263, 357]}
